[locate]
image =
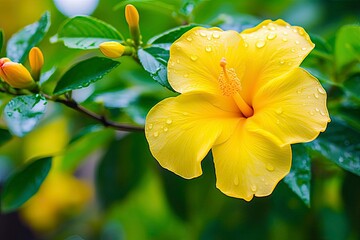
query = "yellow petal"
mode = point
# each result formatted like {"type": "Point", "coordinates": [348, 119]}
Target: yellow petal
{"type": "Point", "coordinates": [292, 108]}
{"type": "Point", "coordinates": [250, 163]}
{"type": "Point", "coordinates": [36, 59]}
{"type": "Point", "coordinates": [181, 130]}
{"type": "Point", "coordinates": [273, 49]}
{"type": "Point", "coordinates": [112, 49]}
{"type": "Point", "coordinates": [15, 74]}
{"type": "Point", "coordinates": [194, 63]}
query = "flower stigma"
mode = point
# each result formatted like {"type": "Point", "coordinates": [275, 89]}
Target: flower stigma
{"type": "Point", "coordinates": [230, 86]}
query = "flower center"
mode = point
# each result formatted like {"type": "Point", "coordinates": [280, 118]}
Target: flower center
{"type": "Point", "coordinates": [230, 86]}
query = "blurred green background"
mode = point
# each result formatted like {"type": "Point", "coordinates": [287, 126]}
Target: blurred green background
{"type": "Point", "coordinates": [106, 185]}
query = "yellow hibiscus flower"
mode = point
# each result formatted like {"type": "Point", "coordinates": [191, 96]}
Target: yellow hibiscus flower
{"type": "Point", "coordinates": [245, 97]}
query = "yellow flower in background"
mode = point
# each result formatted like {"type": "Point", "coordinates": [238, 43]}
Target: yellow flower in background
{"type": "Point", "coordinates": [36, 60]}
{"type": "Point", "coordinates": [15, 74]}
{"type": "Point", "coordinates": [245, 97]}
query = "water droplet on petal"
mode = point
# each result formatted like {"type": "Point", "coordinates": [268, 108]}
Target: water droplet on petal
{"type": "Point", "coordinates": [236, 180]}
{"type": "Point", "coordinates": [270, 167]}
{"type": "Point", "coordinates": [293, 50]}
{"type": "Point", "coordinates": [301, 32]}
{"type": "Point", "coordinates": [316, 109]}
{"type": "Point", "coordinates": [297, 42]}
{"type": "Point", "coordinates": [285, 39]}
{"type": "Point", "coordinates": [189, 38]}
{"type": "Point", "coordinates": [304, 48]}
{"type": "Point", "coordinates": [253, 188]}
{"type": "Point", "coordinates": [279, 110]}
{"type": "Point", "coordinates": [165, 129]}
{"type": "Point", "coordinates": [169, 121]}
{"type": "Point", "coordinates": [311, 113]}
{"type": "Point", "coordinates": [177, 61]}
{"type": "Point", "coordinates": [150, 126]}
{"type": "Point", "coordinates": [208, 48]}
{"type": "Point", "coordinates": [285, 33]}
{"type": "Point", "coordinates": [294, 30]}
{"type": "Point", "coordinates": [322, 113]}
{"type": "Point", "coordinates": [299, 91]}
{"type": "Point", "coordinates": [216, 35]}
{"type": "Point", "coordinates": [281, 62]}
{"type": "Point", "coordinates": [316, 95]}
{"type": "Point", "coordinates": [156, 134]}
{"type": "Point", "coordinates": [246, 44]}
{"type": "Point", "coordinates": [321, 90]}
{"type": "Point", "coordinates": [271, 36]}
{"type": "Point", "coordinates": [260, 43]}
{"type": "Point", "coordinates": [193, 57]}
{"type": "Point", "coordinates": [203, 34]}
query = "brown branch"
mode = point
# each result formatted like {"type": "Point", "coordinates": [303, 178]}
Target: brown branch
{"type": "Point", "coordinates": [100, 118]}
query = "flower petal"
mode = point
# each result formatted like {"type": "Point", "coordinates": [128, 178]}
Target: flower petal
{"type": "Point", "coordinates": [194, 63]}
{"type": "Point", "coordinates": [181, 130]}
{"type": "Point", "coordinates": [292, 108]}
{"type": "Point", "coordinates": [273, 49]}
{"type": "Point", "coordinates": [250, 163]}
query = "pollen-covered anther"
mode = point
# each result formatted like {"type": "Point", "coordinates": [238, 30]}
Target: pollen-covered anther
{"type": "Point", "coordinates": [229, 82]}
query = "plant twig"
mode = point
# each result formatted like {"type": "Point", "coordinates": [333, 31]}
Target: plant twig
{"type": "Point", "coordinates": [100, 118]}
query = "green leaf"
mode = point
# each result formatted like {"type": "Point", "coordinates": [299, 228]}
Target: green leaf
{"type": "Point", "coordinates": [21, 42]}
{"type": "Point", "coordinates": [23, 113]}
{"type": "Point", "coordinates": [24, 183]}
{"type": "Point", "coordinates": [118, 170]}
{"type": "Point", "coordinates": [84, 73]}
{"type": "Point", "coordinates": [5, 136]}
{"type": "Point", "coordinates": [82, 147]}
{"type": "Point", "coordinates": [352, 86]}
{"type": "Point", "coordinates": [347, 46]}
{"type": "Point", "coordinates": [300, 174]}
{"type": "Point", "coordinates": [340, 144]}
{"type": "Point", "coordinates": [83, 32]}
{"type": "Point", "coordinates": [171, 35]}
{"type": "Point", "coordinates": [349, 114]}
{"type": "Point", "coordinates": [154, 60]}
{"type": "Point", "coordinates": [1, 39]}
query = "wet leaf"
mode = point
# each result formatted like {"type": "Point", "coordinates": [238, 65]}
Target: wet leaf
{"type": "Point", "coordinates": [341, 144]}
{"type": "Point", "coordinates": [84, 32]}
{"type": "Point", "coordinates": [154, 60]}
{"type": "Point", "coordinates": [23, 184]}
{"type": "Point", "coordinates": [84, 73]}
{"type": "Point", "coordinates": [170, 36]}
{"type": "Point", "coordinates": [5, 136]}
{"type": "Point", "coordinates": [21, 42]}
{"type": "Point", "coordinates": [23, 113]}
{"type": "Point", "coordinates": [300, 174]}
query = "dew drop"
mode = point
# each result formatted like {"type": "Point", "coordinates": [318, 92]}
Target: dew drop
{"type": "Point", "coordinates": [285, 39]}
{"type": "Point", "coordinates": [311, 113]}
{"type": "Point", "coordinates": [316, 95]}
{"type": "Point", "coordinates": [260, 43]}
{"type": "Point", "coordinates": [279, 110]}
{"type": "Point", "coordinates": [189, 39]}
{"type": "Point", "coordinates": [322, 113]}
{"type": "Point", "coordinates": [271, 36]}
{"type": "Point", "coordinates": [321, 90]}
{"type": "Point", "coordinates": [216, 35]}
{"type": "Point", "coordinates": [299, 91]}
{"type": "Point", "coordinates": [246, 44]}
{"type": "Point", "coordinates": [270, 167]}
{"type": "Point", "coordinates": [281, 62]}
{"type": "Point", "coordinates": [236, 180]}
{"type": "Point", "coordinates": [172, 63]}
{"type": "Point", "coordinates": [316, 109]}
{"type": "Point", "coordinates": [203, 34]}
{"type": "Point", "coordinates": [294, 30]}
{"type": "Point", "coordinates": [301, 32]}
{"type": "Point", "coordinates": [169, 121]}
{"type": "Point", "coordinates": [341, 159]}
{"type": "Point", "coordinates": [193, 57]}
{"type": "Point", "coordinates": [156, 134]}
{"type": "Point", "coordinates": [297, 42]}
{"type": "Point", "coordinates": [293, 50]}
{"type": "Point", "coordinates": [165, 129]}
{"type": "Point", "coordinates": [285, 33]}
{"type": "Point", "coordinates": [304, 48]}
{"type": "Point", "coordinates": [253, 188]}
{"type": "Point", "coordinates": [272, 28]}
{"type": "Point", "coordinates": [177, 61]}
{"type": "Point", "coordinates": [209, 37]}
{"type": "Point", "coordinates": [150, 126]}
{"type": "Point", "coordinates": [208, 48]}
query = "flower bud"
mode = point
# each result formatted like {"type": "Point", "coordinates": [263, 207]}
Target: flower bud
{"type": "Point", "coordinates": [112, 49]}
{"type": "Point", "coordinates": [36, 60]}
{"type": "Point", "coordinates": [15, 74]}
{"type": "Point", "coordinates": [132, 16]}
